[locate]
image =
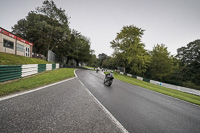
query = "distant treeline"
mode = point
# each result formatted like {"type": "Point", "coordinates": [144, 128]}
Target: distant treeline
{"type": "Point", "coordinates": [129, 52]}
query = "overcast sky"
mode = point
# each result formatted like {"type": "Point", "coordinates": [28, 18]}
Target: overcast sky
{"type": "Point", "coordinates": [174, 23]}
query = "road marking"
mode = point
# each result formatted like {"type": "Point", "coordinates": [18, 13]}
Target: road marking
{"type": "Point", "coordinates": [26, 92]}
{"type": "Point", "coordinates": [119, 125]}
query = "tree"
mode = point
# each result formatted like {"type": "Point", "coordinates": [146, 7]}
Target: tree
{"type": "Point", "coordinates": [128, 45]}
{"type": "Point", "coordinates": [47, 28]}
{"type": "Point", "coordinates": [109, 63]}
{"type": "Point", "coordinates": [79, 49]}
{"type": "Point", "coordinates": [84, 50]}
{"type": "Point", "coordinates": [102, 57]}
{"type": "Point", "coordinates": [176, 77]}
{"type": "Point", "coordinates": [50, 9]}
{"type": "Point", "coordinates": [161, 62]}
{"type": "Point", "coordinates": [43, 31]}
{"type": "Point", "coordinates": [93, 60]}
{"type": "Point", "coordinates": [190, 54]}
{"type": "Point", "coordinates": [190, 61]}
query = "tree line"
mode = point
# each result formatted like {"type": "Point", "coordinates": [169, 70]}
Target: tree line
{"type": "Point", "coordinates": [48, 29]}
{"type": "Point", "coordinates": [129, 52]}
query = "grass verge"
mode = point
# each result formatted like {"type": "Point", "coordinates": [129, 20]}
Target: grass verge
{"type": "Point", "coordinates": [37, 80]}
{"type": "Point", "coordinates": [88, 67]}
{"type": "Point", "coordinates": [170, 92]}
{"type": "Point", "coordinates": [11, 59]}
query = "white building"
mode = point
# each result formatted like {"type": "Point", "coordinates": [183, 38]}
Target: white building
{"type": "Point", "coordinates": [9, 43]}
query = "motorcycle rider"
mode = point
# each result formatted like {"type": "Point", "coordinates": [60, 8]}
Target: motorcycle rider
{"type": "Point", "coordinates": [97, 70]}
{"type": "Point", "coordinates": [110, 76]}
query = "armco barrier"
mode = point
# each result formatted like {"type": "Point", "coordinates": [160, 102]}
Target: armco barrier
{"type": "Point", "coordinates": [53, 66]}
{"type": "Point", "coordinates": [57, 65]}
{"type": "Point", "coordinates": [183, 89]}
{"type": "Point", "coordinates": [155, 82]}
{"type": "Point", "coordinates": [134, 76]}
{"type": "Point", "coordinates": [140, 78]}
{"type": "Point", "coordinates": [29, 69]}
{"type": "Point", "coordinates": [48, 67]}
{"type": "Point", "coordinates": [146, 80]}
{"type": "Point", "coordinates": [122, 73]}
{"type": "Point", "coordinates": [179, 88]}
{"type": "Point", "coordinates": [129, 75]}
{"type": "Point", "coordinates": [41, 68]}
{"type": "Point", "coordinates": [10, 72]}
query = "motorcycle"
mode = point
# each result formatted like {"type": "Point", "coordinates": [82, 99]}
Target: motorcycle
{"type": "Point", "coordinates": [108, 81]}
{"type": "Point", "coordinates": [97, 70]}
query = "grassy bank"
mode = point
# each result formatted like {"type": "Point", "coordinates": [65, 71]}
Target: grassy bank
{"type": "Point", "coordinates": [174, 93]}
{"type": "Point", "coordinates": [10, 59]}
{"type": "Point", "coordinates": [89, 67]}
{"type": "Point", "coordinates": [37, 80]}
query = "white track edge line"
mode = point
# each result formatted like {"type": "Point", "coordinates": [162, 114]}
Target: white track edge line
{"type": "Point", "coordinates": [26, 92]}
{"type": "Point", "coordinates": [119, 125]}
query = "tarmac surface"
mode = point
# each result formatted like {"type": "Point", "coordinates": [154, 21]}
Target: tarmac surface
{"type": "Point", "coordinates": [140, 110]}
{"type": "Point", "coordinates": [85, 105]}
{"type": "Point", "coordinates": [66, 107]}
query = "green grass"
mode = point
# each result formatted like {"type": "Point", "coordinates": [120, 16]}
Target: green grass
{"type": "Point", "coordinates": [35, 81]}
{"type": "Point", "coordinates": [10, 59]}
{"type": "Point", "coordinates": [89, 67]}
{"type": "Point", "coordinates": [174, 93]}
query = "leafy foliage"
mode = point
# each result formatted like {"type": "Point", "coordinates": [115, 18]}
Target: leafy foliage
{"type": "Point", "coordinates": [79, 49]}
{"type": "Point", "coordinates": [189, 54]}
{"type": "Point", "coordinates": [102, 57]}
{"type": "Point", "coordinates": [161, 63]}
{"type": "Point", "coordinates": [48, 29]}
{"type": "Point", "coordinates": [109, 63]}
{"type": "Point", "coordinates": [93, 60]}
{"type": "Point", "coordinates": [41, 30]}
{"type": "Point", "coordinates": [128, 45]}
{"type": "Point", "coordinates": [158, 64]}
{"type": "Point", "coordinates": [190, 61]}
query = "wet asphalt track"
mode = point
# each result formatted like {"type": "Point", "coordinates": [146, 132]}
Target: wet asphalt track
{"type": "Point", "coordinates": [140, 110]}
{"type": "Point", "coordinates": [66, 107]}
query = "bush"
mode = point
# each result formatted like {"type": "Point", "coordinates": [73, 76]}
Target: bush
{"type": "Point", "coordinates": [191, 85]}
